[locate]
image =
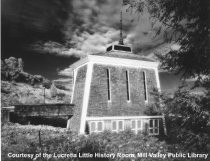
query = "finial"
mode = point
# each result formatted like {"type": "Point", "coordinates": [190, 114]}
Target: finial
{"type": "Point", "coordinates": [121, 35]}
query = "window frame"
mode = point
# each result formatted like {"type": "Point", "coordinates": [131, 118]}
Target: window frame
{"type": "Point", "coordinates": [96, 126]}
{"type": "Point", "coordinates": [153, 128]}
{"type": "Point", "coordinates": [137, 129]}
{"type": "Point", "coordinates": [123, 125]}
{"type": "Point", "coordinates": [108, 84]}
{"type": "Point", "coordinates": [145, 87]}
{"type": "Point", "coordinates": [112, 126]}
{"type": "Point", "coordinates": [90, 124]}
{"type": "Point", "coordinates": [117, 125]}
{"type": "Point", "coordinates": [128, 85]}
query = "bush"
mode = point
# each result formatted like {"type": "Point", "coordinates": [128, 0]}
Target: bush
{"type": "Point", "coordinates": [25, 139]}
{"type": "Point", "coordinates": [187, 118]}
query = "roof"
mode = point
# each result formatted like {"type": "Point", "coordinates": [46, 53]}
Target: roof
{"type": "Point", "coordinates": [122, 54]}
{"type": "Point", "coordinates": [120, 57]}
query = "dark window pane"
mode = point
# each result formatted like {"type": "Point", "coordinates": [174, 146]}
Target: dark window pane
{"type": "Point", "coordinates": [150, 123]}
{"type": "Point", "coordinates": [122, 48]}
{"type": "Point", "coordinates": [145, 86]}
{"type": "Point", "coordinates": [109, 48]}
{"type": "Point", "coordinates": [156, 123]}
{"type": "Point", "coordinates": [127, 85]}
{"type": "Point", "coordinates": [151, 131]}
{"type": "Point", "coordinates": [156, 130]}
{"type": "Point", "coordinates": [108, 84]}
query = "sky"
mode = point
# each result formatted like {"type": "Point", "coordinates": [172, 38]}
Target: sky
{"type": "Point", "coordinates": [50, 35]}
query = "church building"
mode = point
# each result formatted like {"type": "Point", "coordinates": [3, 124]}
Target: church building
{"type": "Point", "coordinates": [112, 90]}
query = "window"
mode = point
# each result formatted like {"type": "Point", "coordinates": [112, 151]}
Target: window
{"type": "Point", "coordinates": [122, 48]}
{"type": "Point", "coordinates": [114, 126]}
{"type": "Point", "coordinates": [145, 86]}
{"type": "Point", "coordinates": [120, 125]}
{"type": "Point", "coordinates": [117, 125]}
{"type": "Point", "coordinates": [136, 125]}
{"type": "Point", "coordinates": [96, 126]}
{"type": "Point", "coordinates": [108, 85]}
{"type": "Point", "coordinates": [109, 48]}
{"type": "Point", "coordinates": [153, 127]}
{"type": "Point", "coordinates": [133, 126]}
{"type": "Point", "coordinates": [99, 126]}
{"type": "Point", "coordinates": [92, 127]}
{"type": "Point", "coordinates": [127, 86]}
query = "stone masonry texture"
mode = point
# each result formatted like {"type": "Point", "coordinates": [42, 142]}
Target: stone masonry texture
{"type": "Point", "coordinates": [78, 98]}
{"type": "Point", "coordinates": [119, 106]}
{"type": "Point", "coordinates": [49, 110]}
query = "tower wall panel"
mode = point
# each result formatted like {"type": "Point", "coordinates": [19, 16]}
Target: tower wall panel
{"type": "Point", "coordinates": [78, 98]}
{"type": "Point", "coordinates": [119, 106]}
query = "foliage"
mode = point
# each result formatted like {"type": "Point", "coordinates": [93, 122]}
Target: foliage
{"type": "Point", "coordinates": [25, 139]}
{"type": "Point", "coordinates": [188, 118]}
{"type": "Point", "coordinates": [187, 23]}
{"type": "Point", "coordinates": [53, 90]}
{"type": "Point", "coordinates": [62, 87]}
{"type": "Point", "coordinates": [12, 70]}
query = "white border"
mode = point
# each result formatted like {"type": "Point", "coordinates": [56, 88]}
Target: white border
{"type": "Point", "coordinates": [96, 59]}
{"type": "Point", "coordinates": [74, 81]}
{"type": "Point", "coordinates": [122, 117]}
{"type": "Point", "coordinates": [158, 79]}
{"type": "Point", "coordinates": [86, 97]}
{"type": "Point", "coordinates": [79, 63]}
{"type": "Point", "coordinates": [122, 62]}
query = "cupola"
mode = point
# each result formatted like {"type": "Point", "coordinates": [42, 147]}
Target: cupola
{"type": "Point", "coordinates": [120, 46]}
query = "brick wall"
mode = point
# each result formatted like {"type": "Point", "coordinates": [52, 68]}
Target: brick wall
{"type": "Point", "coordinates": [78, 98]}
{"type": "Point", "coordinates": [98, 101]}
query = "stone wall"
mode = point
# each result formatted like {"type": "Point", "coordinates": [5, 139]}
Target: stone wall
{"type": "Point", "coordinates": [119, 106]}
{"type": "Point", "coordinates": [78, 98]}
{"type": "Point", "coordinates": [49, 110]}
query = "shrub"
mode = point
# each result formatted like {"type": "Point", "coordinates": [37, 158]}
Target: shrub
{"type": "Point", "coordinates": [25, 139]}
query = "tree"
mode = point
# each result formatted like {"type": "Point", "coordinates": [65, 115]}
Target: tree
{"type": "Point", "coordinates": [188, 118]}
{"type": "Point", "coordinates": [53, 90]}
{"type": "Point", "coordinates": [185, 22]}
